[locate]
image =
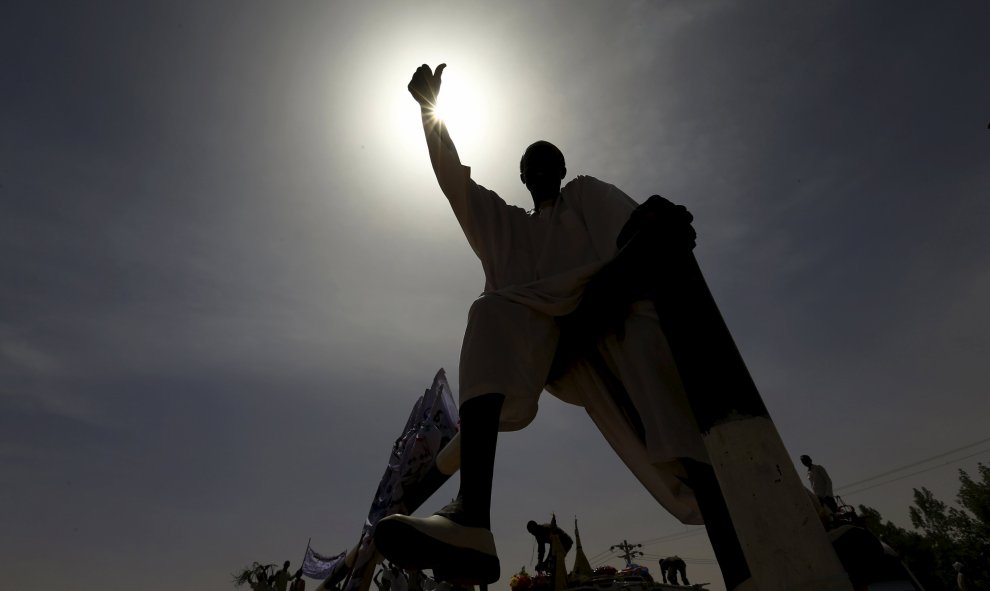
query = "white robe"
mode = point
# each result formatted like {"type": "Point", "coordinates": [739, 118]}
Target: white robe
{"type": "Point", "coordinates": [536, 267]}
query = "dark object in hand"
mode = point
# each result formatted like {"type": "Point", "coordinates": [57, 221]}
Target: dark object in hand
{"type": "Point", "coordinates": [660, 220]}
{"type": "Point", "coordinates": [656, 225]}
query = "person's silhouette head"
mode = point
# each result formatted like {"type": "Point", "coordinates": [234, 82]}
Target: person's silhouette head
{"type": "Point", "coordinates": [541, 169]}
{"type": "Point", "coordinates": [806, 460]}
{"type": "Point", "coordinates": [532, 527]}
{"type": "Point", "coordinates": [286, 565]}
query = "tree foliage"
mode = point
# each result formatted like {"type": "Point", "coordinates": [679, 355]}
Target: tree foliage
{"type": "Point", "coordinates": [251, 575]}
{"type": "Point", "coordinates": [942, 535]}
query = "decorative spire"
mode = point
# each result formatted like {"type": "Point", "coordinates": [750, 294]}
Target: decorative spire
{"type": "Point", "coordinates": [582, 568]}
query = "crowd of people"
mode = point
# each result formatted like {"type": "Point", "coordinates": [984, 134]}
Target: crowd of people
{"type": "Point", "coordinates": [392, 578]}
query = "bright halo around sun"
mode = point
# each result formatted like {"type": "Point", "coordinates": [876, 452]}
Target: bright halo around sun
{"type": "Point", "coordinates": [462, 107]}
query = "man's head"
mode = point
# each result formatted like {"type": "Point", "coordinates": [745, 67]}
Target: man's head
{"type": "Point", "coordinates": [542, 169]}
{"type": "Point", "coordinates": [532, 527]}
{"type": "Point", "coordinates": [806, 460]}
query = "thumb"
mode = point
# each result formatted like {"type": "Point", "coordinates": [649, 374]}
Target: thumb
{"type": "Point", "coordinates": [439, 71]}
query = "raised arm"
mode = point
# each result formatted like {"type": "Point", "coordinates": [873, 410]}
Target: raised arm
{"type": "Point", "coordinates": [425, 88]}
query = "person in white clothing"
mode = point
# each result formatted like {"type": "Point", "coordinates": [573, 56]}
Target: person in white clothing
{"type": "Point", "coordinates": [962, 581]}
{"type": "Point", "coordinates": [821, 484]}
{"type": "Point", "coordinates": [543, 269]}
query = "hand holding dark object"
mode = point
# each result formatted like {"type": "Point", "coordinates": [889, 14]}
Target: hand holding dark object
{"type": "Point", "coordinates": [425, 85]}
{"type": "Point", "coordinates": [662, 220]}
{"type": "Point", "coordinates": [607, 298]}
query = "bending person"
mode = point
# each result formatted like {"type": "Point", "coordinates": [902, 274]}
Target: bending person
{"type": "Point", "coordinates": [542, 534]}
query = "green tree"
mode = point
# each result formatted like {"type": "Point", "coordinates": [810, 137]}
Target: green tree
{"type": "Point", "coordinates": [942, 535]}
{"type": "Point", "coordinates": [971, 524]}
{"type": "Point", "coordinates": [913, 547]}
{"type": "Point", "coordinates": [251, 575]}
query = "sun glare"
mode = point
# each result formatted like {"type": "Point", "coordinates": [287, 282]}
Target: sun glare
{"type": "Point", "coordinates": [468, 104]}
{"type": "Point", "coordinates": [445, 110]}
{"type": "Point", "coordinates": [462, 108]}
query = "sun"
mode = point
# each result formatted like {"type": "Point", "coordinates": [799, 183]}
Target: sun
{"type": "Point", "coordinates": [468, 103]}
{"type": "Point", "coordinates": [447, 109]}
{"type": "Point", "coordinates": [461, 106]}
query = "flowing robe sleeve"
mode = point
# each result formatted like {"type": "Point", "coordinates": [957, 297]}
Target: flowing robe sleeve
{"type": "Point", "coordinates": [495, 230]}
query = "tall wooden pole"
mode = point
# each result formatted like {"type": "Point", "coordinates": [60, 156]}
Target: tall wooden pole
{"type": "Point", "coordinates": [783, 540]}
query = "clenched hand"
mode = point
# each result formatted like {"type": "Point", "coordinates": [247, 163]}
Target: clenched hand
{"type": "Point", "coordinates": [425, 85]}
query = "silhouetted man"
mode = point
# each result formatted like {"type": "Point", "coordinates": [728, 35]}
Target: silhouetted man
{"type": "Point", "coordinates": [282, 578]}
{"type": "Point", "coordinates": [821, 484]}
{"type": "Point", "coordinates": [539, 266]}
{"type": "Point", "coordinates": [670, 567]}
{"type": "Point", "coordinates": [298, 584]}
{"type": "Point", "coordinates": [542, 534]}
{"type": "Point", "coordinates": [962, 580]}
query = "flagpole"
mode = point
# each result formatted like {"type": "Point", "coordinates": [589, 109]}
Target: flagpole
{"type": "Point", "coordinates": [350, 568]}
{"type": "Point", "coordinates": [306, 553]}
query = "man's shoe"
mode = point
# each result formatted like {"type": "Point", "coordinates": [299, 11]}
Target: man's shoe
{"type": "Point", "coordinates": [456, 553]}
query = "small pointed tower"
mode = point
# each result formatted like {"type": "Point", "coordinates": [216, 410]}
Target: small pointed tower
{"type": "Point", "coordinates": [582, 568]}
{"type": "Point", "coordinates": [559, 573]}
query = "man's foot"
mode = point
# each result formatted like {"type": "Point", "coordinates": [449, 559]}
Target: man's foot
{"type": "Point", "coordinates": [460, 554]}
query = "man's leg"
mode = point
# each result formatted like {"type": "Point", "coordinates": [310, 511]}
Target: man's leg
{"type": "Point", "coordinates": [479, 436]}
{"type": "Point", "coordinates": [506, 354]}
{"type": "Point", "coordinates": [721, 533]}
{"type": "Point", "coordinates": [456, 542]}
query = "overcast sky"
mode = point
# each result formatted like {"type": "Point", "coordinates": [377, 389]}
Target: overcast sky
{"type": "Point", "coordinates": [226, 270]}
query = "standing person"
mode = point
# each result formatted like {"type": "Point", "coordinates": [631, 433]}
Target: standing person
{"type": "Point", "coordinates": [282, 578]}
{"type": "Point", "coordinates": [399, 581]}
{"type": "Point", "coordinates": [821, 484]}
{"type": "Point", "coordinates": [383, 579]}
{"type": "Point", "coordinates": [298, 584]}
{"type": "Point", "coordinates": [962, 581]}
{"type": "Point", "coordinates": [539, 266]}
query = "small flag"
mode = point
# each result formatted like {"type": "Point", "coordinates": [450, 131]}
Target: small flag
{"type": "Point", "coordinates": [318, 566]}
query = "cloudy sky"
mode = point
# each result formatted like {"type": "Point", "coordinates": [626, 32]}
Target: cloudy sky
{"type": "Point", "coordinates": [226, 271]}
